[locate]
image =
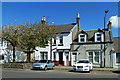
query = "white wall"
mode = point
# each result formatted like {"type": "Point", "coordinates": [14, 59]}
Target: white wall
{"type": "Point", "coordinates": [67, 40]}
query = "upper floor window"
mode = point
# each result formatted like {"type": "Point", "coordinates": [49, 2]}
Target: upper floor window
{"type": "Point", "coordinates": [98, 37]}
{"type": "Point", "coordinates": [1, 43]}
{"type": "Point", "coordinates": [61, 39]}
{"type": "Point", "coordinates": [54, 42]}
{"type": "Point", "coordinates": [82, 38]}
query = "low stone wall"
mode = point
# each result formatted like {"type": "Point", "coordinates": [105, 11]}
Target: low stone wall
{"type": "Point", "coordinates": [18, 65]}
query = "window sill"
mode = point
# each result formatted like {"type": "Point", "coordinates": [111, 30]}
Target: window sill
{"type": "Point", "coordinates": [117, 64]}
{"type": "Point", "coordinates": [96, 63]}
{"type": "Point", "coordinates": [60, 44]}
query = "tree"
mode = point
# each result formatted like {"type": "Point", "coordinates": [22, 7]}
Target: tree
{"type": "Point", "coordinates": [35, 35]}
{"type": "Point", "coordinates": [10, 34]}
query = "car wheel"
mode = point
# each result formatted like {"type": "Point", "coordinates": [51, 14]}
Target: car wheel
{"type": "Point", "coordinates": [45, 68]}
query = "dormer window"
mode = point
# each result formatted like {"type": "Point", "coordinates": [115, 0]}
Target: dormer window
{"type": "Point", "coordinates": [82, 38]}
{"type": "Point", "coordinates": [99, 37]}
{"type": "Point", "coordinates": [61, 39]}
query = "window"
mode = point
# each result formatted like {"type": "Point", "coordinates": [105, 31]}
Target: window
{"type": "Point", "coordinates": [117, 57]}
{"type": "Point", "coordinates": [91, 56]}
{"type": "Point", "coordinates": [1, 43]}
{"type": "Point", "coordinates": [97, 57]}
{"type": "Point", "coordinates": [99, 37]}
{"type": "Point", "coordinates": [5, 43]}
{"type": "Point", "coordinates": [82, 38]}
{"type": "Point", "coordinates": [1, 57]}
{"type": "Point", "coordinates": [94, 56]}
{"type": "Point", "coordinates": [54, 55]}
{"type": "Point", "coordinates": [43, 55]}
{"type": "Point", "coordinates": [61, 39]}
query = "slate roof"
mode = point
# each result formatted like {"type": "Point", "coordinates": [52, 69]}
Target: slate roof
{"type": "Point", "coordinates": [116, 43]}
{"type": "Point", "coordinates": [91, 36]}
{"type": "Point", "coordinates": [65, 28]}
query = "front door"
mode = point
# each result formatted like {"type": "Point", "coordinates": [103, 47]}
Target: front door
{"type": "Point", "coordinates": [67, 59]}
{"type": "Point", "coordinates": [74, 60]}
{"type": "Point", "coordinates": [61, 58]}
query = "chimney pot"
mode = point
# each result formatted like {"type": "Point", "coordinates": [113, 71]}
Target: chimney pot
{"type": "Point", "coordinates": [109, 25]}
{"type": "Point", "coordinates": [44, 18]}
{"type": "Point", "coordinates": [78, 15]}
{"type": "Point", "coordinates": [52, 23]}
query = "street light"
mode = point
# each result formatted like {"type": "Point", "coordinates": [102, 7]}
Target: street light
{"type": "Point", "coordinates": [104, 35]}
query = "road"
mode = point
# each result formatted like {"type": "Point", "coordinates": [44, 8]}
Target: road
{"type": "Point", "coordinates": [56, 74]}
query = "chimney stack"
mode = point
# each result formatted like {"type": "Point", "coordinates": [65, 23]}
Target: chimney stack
{"type": "Point", "coordinates": [44, 18]}
{"type": "Point", "coordinates": [109, 26]}
{"type": "Point", "coordinates": [78, 22]}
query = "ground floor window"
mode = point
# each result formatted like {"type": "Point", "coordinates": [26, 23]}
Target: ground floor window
{"type": "Point", "coordinates": [43, 55]}
{"type": "Point", "coordinates": [117, 57]}
{"type": "Point", "coordinates": [1, 57]}
{"type": "Point", "coordinates": [94, 56]}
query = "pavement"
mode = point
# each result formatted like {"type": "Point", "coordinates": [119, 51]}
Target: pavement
{"type": "Point", "coordinates": [94, 69]}
{"type": "Point", "coordinates": [68, 68]}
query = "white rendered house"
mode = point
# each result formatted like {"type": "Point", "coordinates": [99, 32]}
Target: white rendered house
{"type": "Point", "coordinates": [61, 46]}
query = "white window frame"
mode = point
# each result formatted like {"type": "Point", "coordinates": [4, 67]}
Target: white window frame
{"type": "Point", "coordinates": [97, 36]}
{"type": "Point", "coordinates": [80, 37]}
{"type": "Point", "coordinates": [43, 55]}
{"type": "Point", "coordinates": [115, 59]}
{"type": "Point", "coordinates": [94, 56]}
{"type": "Point", "coordinates": [60, 39]}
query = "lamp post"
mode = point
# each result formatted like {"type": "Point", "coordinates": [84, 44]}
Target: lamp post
{"type": "Point", "coordinates": [104, 35]}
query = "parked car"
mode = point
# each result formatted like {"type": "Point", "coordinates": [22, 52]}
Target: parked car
{"type": "Point", "coordinates": [83, 65]}
{"type": "Point", "coordinates": [44, 64]}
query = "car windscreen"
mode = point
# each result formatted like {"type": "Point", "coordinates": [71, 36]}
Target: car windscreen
{"type": "Point", "coordinates": [84, 61]}
{"type": "Point", "coordinates": [42, 61]}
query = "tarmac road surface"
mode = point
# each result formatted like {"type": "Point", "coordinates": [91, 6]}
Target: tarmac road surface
{"type": "Point", "coordinates": [56, 74]}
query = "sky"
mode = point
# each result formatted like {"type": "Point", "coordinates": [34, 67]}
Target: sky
{"type": "Point", "coordinates": [91, 13]}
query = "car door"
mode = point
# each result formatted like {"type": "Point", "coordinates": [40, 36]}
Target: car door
{"type": "Point", "coordinates": [48, 64]}
{"type": "Point", "coordinates": [51, 64]}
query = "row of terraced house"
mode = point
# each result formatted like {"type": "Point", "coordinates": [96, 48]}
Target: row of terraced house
{"type": "Point", "coordinates": [71, 45]}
